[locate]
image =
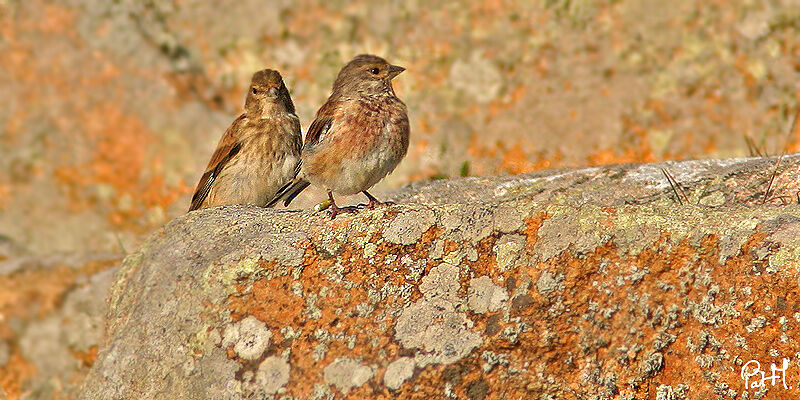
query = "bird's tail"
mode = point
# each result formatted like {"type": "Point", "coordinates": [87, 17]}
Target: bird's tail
{"type": "Point", "coordinates": [289, 191]}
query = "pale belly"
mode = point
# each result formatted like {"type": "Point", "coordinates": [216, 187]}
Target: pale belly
{"type": "Point", "coordinates": [361, 174]}
{"type": "Point", "coordinates": [354, 174]}
{"type": "Point", "coordinates": [252, 181]}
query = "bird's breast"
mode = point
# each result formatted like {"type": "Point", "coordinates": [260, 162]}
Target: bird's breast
{"type": "Point", "coordinates": [366, 142]}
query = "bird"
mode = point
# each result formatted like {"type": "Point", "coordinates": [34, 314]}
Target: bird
{"type": "Point", "coordinates": [358, 136]}
{"type": "Point", "coordinates": [258, 153]}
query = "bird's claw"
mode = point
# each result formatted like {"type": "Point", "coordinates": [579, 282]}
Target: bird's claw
{"type": "Point", "coordinates": [341, 210]}
{"type": "Point", "coordinates": [375, 203]}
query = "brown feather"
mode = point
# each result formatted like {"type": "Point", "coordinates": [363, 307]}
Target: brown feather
{"type": "Point", "coordinates": [321, 125]}
{"type": "Point", "coordinates": [258, 153]}
{"type": "Point", "coordinates": [227, 147]}
{"type": "Point", "coordinates": [359, 134]}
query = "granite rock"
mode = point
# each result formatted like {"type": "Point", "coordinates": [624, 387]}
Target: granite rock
{"type": "Point", "coordinates": [615, 290]}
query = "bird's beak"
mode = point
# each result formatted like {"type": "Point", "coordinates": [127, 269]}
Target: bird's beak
{"type": "Point", "coordinates": [394, 70]}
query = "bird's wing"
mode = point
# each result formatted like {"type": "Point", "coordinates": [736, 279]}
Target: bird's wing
{"type": "Point", "coordinates": [294, 186]}
{"type": "Point", "coordinates": [227, 148]}
{"type": "Point", "coordinates": [288, 192]}
{"type": "Point", "coordinates": [322, 124]}
{"type": "Point", "coordinates": [297, 140]}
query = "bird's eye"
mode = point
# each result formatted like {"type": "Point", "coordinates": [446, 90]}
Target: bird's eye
{"type": "Point", "coordinates": [374, 71]}
{"type": "Point", "coordinates": [255, 91]}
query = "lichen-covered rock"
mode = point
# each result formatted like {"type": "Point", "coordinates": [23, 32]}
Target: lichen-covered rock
{"type": "Point", "coordinates": [593, 283]}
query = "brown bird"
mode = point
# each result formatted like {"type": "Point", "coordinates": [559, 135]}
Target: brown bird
{"type": "Point", "coordinates": [359, 135]}
{"type": "Point", "coordinates": [258, 153]}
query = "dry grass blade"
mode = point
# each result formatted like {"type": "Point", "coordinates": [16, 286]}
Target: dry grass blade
{"type": "Point", "coordinates": [752, 148]}
{"type": "Point", "coordinates": [772, 179]}
{"type": "Point", "coordinates": [794, 122]}
{"type": "Point", "coordinates": [767, 193]}
{"type": "Point", "coordinates": [676, 188]}
{"type": "Point", "coordinates": [784, 200]}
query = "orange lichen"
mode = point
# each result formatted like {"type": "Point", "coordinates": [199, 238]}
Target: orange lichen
{"type": "Point", "coordinates": [44, 287]}
{"type": "Point", "coordinates": [4, 195]}
{"type": "Point", "coordinates": [499, 105]}
{"type": "Point", "coordinates": [515, 161]}
{"type": "Point", "coordinates": [16, 371]}
{"type": "Point", "coordinates": [532, 226]}
{"type": "Point", "coordinates": [87, 358]}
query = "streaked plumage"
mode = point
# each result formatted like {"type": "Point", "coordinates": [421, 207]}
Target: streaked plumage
{"type": "Point", "coordinates": [258, 153]}
{"type": "Point", "coordinates": [358, 137]}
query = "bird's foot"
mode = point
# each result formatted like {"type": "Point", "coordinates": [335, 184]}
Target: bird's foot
{"type": "Point", "coordinates": [341, 210]}
{"type": "Point", "coordinates": [375, 203]}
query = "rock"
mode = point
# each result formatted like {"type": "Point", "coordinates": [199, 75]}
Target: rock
{"type": "Point", "coordinates": [346, 374]}
{"type": "Point", "coordinates": [5, 353]}
{"type": "Point", "coordinates": [55, 311]}
{"type": "Point", "coordinates": [398, 372]}
{"type": "Point", "coordinates": [249, 337]}
{"type": "Point", "coordinates": [571, 283]}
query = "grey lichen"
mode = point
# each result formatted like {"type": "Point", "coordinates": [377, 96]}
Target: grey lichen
{"type": "Point", "coordinates": [705, 340]}
{"type": "Point", "coordinates": [511, 217]}
{"type": "Point", "coordinates": [282, 248]}
{"type": "Point", "coordinates": [467, 224]}
{"type": "Point", "coordinates": [441, 282]}
{"type": "Point", "coordinates": [652, 365]}
{"type": "Point", "coordinates": [569, 227]}
{"type": "Point", "coordinates": [484, 296]}
{"type": "Point", "coordinates": [408, 227]}
{"type": "Point", "coordinates": [5, 353]}
{"type": "Point", "coordinates": [319, 351]}
{"type": "Point", "coordinates": [491, 359]}
{"type": "Point", "coordinates": [346, 374]}
{"type": "Point", "coordinates": [756, 324]}
{"type": "Point", "coordinates": [249, 337]}
{"type": "Point", "coordinates": [666, 392]}
{"type": "Point", "coordinates": [507, 251]}
{"type": "Point", "coordinates": [663, 340]}
{"type": "Point", "coordinates": [397, 372]}
{"type": "Point", "coordinates": [272, 374]}
{"type": "Point", "coordinates": [707, 312]}
{"type": "Point", "coordinates": [704, 361]}
{"type": "Point", "coordinates": [548, 283]}
{"type": "Point", "coordinates": [434, 326]}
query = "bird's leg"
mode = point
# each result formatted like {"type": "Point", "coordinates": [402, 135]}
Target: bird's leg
{"type": "Point", "coordinates": [335, 210]}
{"type": "Point", "coordinates": [373, 202]}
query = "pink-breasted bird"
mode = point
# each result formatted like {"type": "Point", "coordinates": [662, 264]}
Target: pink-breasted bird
{"type": "Point", "coordinates": [258, 153]}
{"type": "Point", "coordinates": [358, 137]}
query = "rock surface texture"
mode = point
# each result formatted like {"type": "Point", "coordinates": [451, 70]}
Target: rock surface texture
{"type": "Point", "coordinates": [589, 283]}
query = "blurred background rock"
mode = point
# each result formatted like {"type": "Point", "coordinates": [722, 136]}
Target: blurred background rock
{"type": "Point", "coordinates": [111, 109]}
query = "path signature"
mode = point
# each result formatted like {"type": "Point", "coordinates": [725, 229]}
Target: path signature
{"type": "Point", "coordinates": [755, 378]}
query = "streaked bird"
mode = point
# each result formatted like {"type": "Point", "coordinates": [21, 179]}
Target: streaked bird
{"type": "Point", "coordinates": [258, 153]}
{"type": "Point", "coordinates": [358, 137]}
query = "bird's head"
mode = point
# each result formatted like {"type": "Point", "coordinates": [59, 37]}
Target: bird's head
{"type": "Point", "coordinates": [267, 92]}
{"type": "Point", "coordinates": [367, 74]}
